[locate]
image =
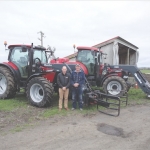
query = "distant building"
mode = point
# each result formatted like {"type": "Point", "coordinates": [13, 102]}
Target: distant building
{"type": "Point", "coordinates": [72, 57]}
{"type": "Point", "coordinates": [118, 50]}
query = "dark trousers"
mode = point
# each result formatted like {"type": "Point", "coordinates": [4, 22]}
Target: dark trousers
{"type": "Point", "coordinates": [77, 97]}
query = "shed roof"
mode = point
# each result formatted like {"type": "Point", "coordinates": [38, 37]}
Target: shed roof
{"type": "Point", "coordinates": [71, 56]}
{"type": "Point", "coordinates": [112, 40]}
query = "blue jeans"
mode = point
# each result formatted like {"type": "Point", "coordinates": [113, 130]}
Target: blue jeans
{"type": "Point", "coordinates": [77, 97]}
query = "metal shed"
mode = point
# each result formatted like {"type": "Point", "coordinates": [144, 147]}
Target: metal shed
{"type": "Point", "coordinates": [119, 51]}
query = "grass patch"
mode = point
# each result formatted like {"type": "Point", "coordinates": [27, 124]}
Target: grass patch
{"type": "Point", "coordinates": [20, 128]}
{"type": "Point", "coordinates": [145, 70]}
{"type": "Point", "coordinates": [21, 115]}
{"type": "Point", "coordinates": [11, 104]}
{"type": "Point", "coordinates": [49, 112]}
{"type": "Point", "coordinates": [137, 96]}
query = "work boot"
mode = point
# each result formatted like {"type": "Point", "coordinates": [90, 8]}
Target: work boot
{"type": "Point", "coordinates": [66, 108]}
{"type": "Point", "coordinates": [73, 109]}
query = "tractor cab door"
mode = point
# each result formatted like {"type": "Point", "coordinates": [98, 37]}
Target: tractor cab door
{"type": "Point", "coordinates": [100, 70]}
{"type": "Point", "coordinates": [39, 55]}
{"type": "Point", "coordinates": [39, 58]}
{"type": "Point", "coordinates": [87, 57]}
{"type": "Point", "coordinates": [20, 58]}
{"type": "Point", "coordinates": [97, 70]}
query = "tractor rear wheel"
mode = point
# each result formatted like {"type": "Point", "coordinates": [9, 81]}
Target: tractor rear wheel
{"type": "Point", "coordinates": [7, 84]}
{"type": "Point", "coordinates": [39, 92]}
{"type": "Point", "coordinates": [115, 85]}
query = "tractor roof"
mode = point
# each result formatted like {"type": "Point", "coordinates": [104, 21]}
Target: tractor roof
{"type": "Point", "coordinates": [28, 46]}
{"type": "Point", "coordinates": [87, 48]}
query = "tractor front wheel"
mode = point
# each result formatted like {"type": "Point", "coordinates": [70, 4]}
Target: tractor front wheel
{"type": "Point", "coordinates": [39, 92]}
{"type": "Point", "coordinates": [115, 85]}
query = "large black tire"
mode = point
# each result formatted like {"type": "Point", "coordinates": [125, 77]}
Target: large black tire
{"type": "Point", "coordinates": [39, 92]}
{"type": "Point", "coordinates": [7, 84]}
{"type": "Point", "coordinates": [115, 85]}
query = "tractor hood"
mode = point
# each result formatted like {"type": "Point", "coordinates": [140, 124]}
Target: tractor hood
{"type": "Point", "coordinates": [59, 63]}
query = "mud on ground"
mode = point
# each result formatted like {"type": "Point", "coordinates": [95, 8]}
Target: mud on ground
{"type": "Point", "coordinates": [83, 131]}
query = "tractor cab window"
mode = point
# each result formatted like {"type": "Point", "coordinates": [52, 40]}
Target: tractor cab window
{"type": "Point", "coordinates": [20, 59]}
{"type": "Point", "coordinates": [41, 55]}
{"type": "Point", "coordinates": [87, 57]}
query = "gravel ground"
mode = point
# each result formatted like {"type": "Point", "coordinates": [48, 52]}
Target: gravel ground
{"type": "Point", "coordinates": [129, 131]}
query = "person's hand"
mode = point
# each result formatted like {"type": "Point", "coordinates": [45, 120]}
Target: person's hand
{"type": "Point", "coordinates": [64, 88]}
{"type": "Point", "coordinates": [76, 84]}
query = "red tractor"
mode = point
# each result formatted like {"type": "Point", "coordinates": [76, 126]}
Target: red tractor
{"type": "Point", "coordinates": [111, 78]}
{"type": "Point", "coordinates": [27, 68]}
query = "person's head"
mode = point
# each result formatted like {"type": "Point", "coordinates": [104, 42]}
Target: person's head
{"type": "Point", "coordinates": [64, 69]}
{"type": "Point", "coordinates": [77, 67]}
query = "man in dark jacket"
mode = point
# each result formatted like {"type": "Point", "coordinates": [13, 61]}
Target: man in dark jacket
{"type": "Point", "coordinates": [77, 82]}
{"type": "Point", "coordinates": [63, 80]}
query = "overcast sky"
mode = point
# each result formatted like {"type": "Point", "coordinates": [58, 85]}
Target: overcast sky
{"type": "Point", "coordinates": [83, 23]}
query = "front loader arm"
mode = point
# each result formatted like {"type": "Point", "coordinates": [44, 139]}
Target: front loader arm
{"type": "Point", "coordinates": [140, 79]}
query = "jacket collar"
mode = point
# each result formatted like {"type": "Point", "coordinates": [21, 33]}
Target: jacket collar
{"type": "Point", "coordinates": [63, 74]}
{"type": "Point", "coordinates": [76, 71]}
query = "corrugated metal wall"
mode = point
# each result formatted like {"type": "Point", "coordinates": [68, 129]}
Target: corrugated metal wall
{"type": "Point", "coordinates": [109, 51]}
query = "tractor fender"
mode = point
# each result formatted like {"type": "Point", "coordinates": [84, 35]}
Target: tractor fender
{"type": "Point", "coordinates": [34, 75]}
{"type": "Point", "coordinates": [15, 73]}
{"type": "Point", "coordinates": [102, 81]}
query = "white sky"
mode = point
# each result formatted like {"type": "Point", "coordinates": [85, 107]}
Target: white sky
{"type": "Point", "coordinates": [84, 23]}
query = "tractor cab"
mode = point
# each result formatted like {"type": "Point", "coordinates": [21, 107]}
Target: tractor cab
{"type": "Point", "coordinates": [28, 59]}
{"type": "Point", "coordinates": [90, 57]}
{"type": "Point", "coordinates": [27, 68]}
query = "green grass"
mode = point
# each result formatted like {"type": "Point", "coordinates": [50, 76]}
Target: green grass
{"type": "Point", "coordinates": [20, 106]}
{"type": "Point", "coordinates": [19, 128]}
{"type": "Point", "coordinates": [145, 70]}
{"type": "Point", "coordinates": [49, 112]}
{"type": "Point", "coordinates": [136, 96]}
{"type": "Point", "coordinates": [11, 104]}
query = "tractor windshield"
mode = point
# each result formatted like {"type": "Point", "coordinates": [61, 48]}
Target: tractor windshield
{"type": "Point", "coordinates": [87, 57]}
{"type": "Point", "coordinates": [41, 55]}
